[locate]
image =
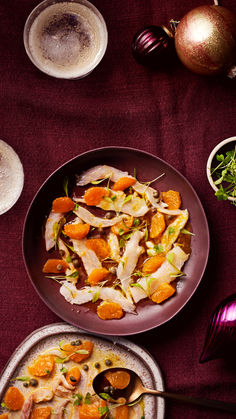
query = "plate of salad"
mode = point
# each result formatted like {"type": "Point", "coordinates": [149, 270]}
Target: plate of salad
{"type": "Point", "coordinates": [116, 241]}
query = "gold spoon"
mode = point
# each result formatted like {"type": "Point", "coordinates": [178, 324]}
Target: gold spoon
{"type": "Point", "coordinates": [135, 389]}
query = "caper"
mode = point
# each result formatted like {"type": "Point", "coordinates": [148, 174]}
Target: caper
{"type": "Point", "coordinates": [85, 367]}
{"type": "Point", "coordinates": [108, 362]}
{"type": "Point", "coordinates": [59, 267]}
{"type": "Point", "coordinates": [33, 382]}
{"type": "Point", "coordinates": [76, 342]}
{"type": "Point", "coordinates": [106, 389]}
{"type": "Point", "coordinates": [26, 384]}
{"type": "Point", "coordinates": [109, 215]}
{"type": "Point", "coordinates": [62, 252]}
{"type": "Point", "coordinates": [97, 365]}
{"type": "Point", "coordinates": [112, 270]}
{"type": "Point", "coordinates": [156, 194]}
{"type": "Point", "coordinates": [76, 263]}
{"type": "Point", "coordinates": [111, 390]}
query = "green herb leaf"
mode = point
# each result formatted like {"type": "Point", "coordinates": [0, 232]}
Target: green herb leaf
{"type": "Point", "coordinates": [82, 352]}
{"type": "Point", "coordinates": [70, 247]}
{"type": "Point", "coordinates": [146, 235]}
{"type": "Point", "coordinates": [137, 285]}
{"type": "Point", "coordinates": [63, 370]}
{"type": "Point", "coordinates": [78, 398]}
{"type": "Point", "coordinates": [121, 231]}
{"type": "Point", "coordinates": [56, 229]}
{"type": "Point", "coordinates": [73, 275]}
{"type": "Point", "coordinates": [87, 399]}
{"type": "Point", "coordinates": [170, 257]}
{"type": "Point", "coordinates": [106, 396]}
{"type": "Point", "coordinates": [103, 410]}
{"type": "Point", "coordinates": [4, 405]}
{"type": "Point", "coordinates": [95, 297]}
{"type": "Point", "coordinates": [225, 175]}
{"type": "Point", "coordinates": [127, 199]}
{"type": "Point", "coordinates": [158, 248]}
{"type": "Point", "coordinates": [138, 273]}
{"type": "Point", "coordinates": [65, 185]}
{"type": "Point", "coordinates": [184, 231]}
{"type": "Point", "coordinates": [96, 182]}
{"type": "Point", "coordinates": [127, 236]}
{"type": "Point", "coordinates": [149, 282]}
{"type": "Point", "coordinates": [22, 378]}
{"type": "Point", "coordinates": [136, 222]}
{"type": "Point", "coordinates": [122, 242]}
{"type": "Point", "coordinates": [113, 198]}
{"type": "Point", "coordinates": [171, 230]}
{"type": "Point", "coordinates": [61, 360]}
{"type": "Point", "coordinates": [68, 259]}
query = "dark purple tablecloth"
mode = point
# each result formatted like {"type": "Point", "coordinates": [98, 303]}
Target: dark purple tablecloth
{"type": "Point", "coordinates": [176, 115]}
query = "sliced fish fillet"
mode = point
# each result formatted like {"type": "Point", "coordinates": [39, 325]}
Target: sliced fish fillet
{"type": "Point", "coordinates": [86, 294]}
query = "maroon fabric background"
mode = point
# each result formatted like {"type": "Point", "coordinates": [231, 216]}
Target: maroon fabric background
{"type": "Point", "coordinates": [177, 115]}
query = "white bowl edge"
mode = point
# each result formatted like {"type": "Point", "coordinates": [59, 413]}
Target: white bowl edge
{"type": "Point", "coordinates": [209, 162]}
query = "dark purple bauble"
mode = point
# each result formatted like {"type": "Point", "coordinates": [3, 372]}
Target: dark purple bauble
{"type": "Point", "coordinates": [153, 46]}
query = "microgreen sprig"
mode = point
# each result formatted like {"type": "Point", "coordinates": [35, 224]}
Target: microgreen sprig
{"type": "Point", "coordinates": [225, 176]}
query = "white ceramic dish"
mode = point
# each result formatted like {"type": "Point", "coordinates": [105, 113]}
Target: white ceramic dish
{"type": "Point", "coordinates": [211, 157]}
{"type": "Point", "coordinates": [138, 359]}
{"type": "Point", "coordinates": [11, 177]}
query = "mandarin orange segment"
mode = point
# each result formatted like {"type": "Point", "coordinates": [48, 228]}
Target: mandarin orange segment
{"type": "Point", "coordinates": [163, 292]}
{"type": "Point", "coordinates": [72, 351]}
{"type": "Point", "coordinates": [108, 310]}
{"type": "Point", "coordinates": [123, 183]}
{"type": "Point", "coordinates": [94, 195]}
{"type": "Point", "coordinates": [55, 266]}
{"type": "Point", "coordinates": [4, 416]}
{"type": "Point", "coordinates": [63, 204]}
{"type": "Point", "coordinates": [97, 275]}
{"type": "Point", "coordinates": [41, 413]}
{"type": "Point", "coordinates": [14, 399]}
{"type": "Point", "coordinates": [76, 231]}
{"type": "Point", "coordinates": [152, 264]}
{"type": "Point", "coordinates": [123, 226]}
{"type": "Point", "coordinates": [99, 246]}
{"type": "Point", "coordinates": [42, 366]}
{"type": "Point", "coordinates": [158, 225]}
{"type": "Point", "coordinates": [92, 411]}
{"type": "Point", "coordinates": [122, 412]}
{"type": "Point", "coordinates": [118, 379]}
{"type": "Point", "coordinates": [172, 199]}
{"type": "Point", "coordinates": [73, 376]}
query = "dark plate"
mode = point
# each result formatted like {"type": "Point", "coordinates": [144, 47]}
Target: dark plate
{"type": "Point", "coordinates": [148, 167]}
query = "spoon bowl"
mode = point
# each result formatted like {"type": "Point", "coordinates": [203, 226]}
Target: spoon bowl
{"type": "Point", "coordinates": [124, 386]}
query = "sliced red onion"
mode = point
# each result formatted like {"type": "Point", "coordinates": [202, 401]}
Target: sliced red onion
{"type": "Point", "coordinates": [220, 339]}
{"type": "Point", "coordinates": [152, 45]}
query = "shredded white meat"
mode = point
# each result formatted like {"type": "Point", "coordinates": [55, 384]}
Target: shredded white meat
{"type": "Point", "coordinates": [129, 259]}
{"type": "Point", "coordinates": [166, 273]}
{"type": "Point", "coordinates": [88, 256]}
{"type": "Point", "coordinates": [54, 217]}
{"type": "Point", "coordinates": [86, 294]}
{"type": "Point", "coordinates": [94, 221]}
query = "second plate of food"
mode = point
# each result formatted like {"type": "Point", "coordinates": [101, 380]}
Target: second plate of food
{"type": "Point", "coordinates": [116, 241]}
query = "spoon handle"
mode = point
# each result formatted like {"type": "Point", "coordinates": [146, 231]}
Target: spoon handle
{"type": "Point", "coordinates": [215, 404]}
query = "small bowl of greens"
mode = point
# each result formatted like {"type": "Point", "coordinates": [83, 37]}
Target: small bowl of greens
{"type": "Point", "coordinates": [221, 170]}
